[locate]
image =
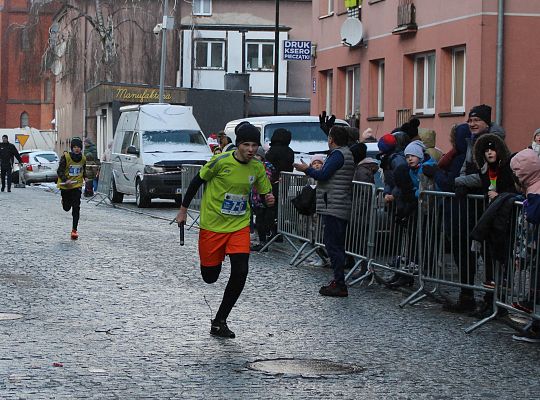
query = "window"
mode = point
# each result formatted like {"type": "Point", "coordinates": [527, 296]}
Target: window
{"type": "Point", "coordinates": [47, 90]}
{"type": "Point", "coordinates": [424, 84]}
{"type": "Point", "coordinates": [329, 92]}
{"type": "Point", "coordinates": [202, 7]}
{"type": "Point", "coordinates": [209, 54]}
{"type": "Point", "coordinates": [24, 120]}
{"type": "Point", "coordinates": [458, 79]}
{"type": "Point", "coordinates": [352, 91]}
{"type": "Point", "coordinates": [330, 6]}
{"type": "Point", "coordinates": [260, 56]}
{"type": "Point", "coordinates": [380, 90]}
{"type": "Point", "coordinates": [25, 40]}
{"type": "Point", "coordinates": [135, 142]}
{"type": "Point", "coordinates": [128, 135]}
{"type": "Point", "coordinates": [326, 7]}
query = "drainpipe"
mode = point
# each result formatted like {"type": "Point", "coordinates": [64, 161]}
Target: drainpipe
{"type": "Point", "coordinates": [500, 63]}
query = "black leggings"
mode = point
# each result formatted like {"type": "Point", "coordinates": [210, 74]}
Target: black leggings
{"type": "Point", "coordinates": [71, 199]}
{"type": "Point", "coordinates": [237, 280]}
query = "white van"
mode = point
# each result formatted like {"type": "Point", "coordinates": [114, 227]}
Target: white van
{"type": "Point", "coordinates": [150, 144]}
{"type": "Point", "coordinates": [307, 136]}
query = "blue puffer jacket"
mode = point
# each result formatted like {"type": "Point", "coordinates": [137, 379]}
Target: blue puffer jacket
{"type": "Point", "coordinates": [419, 180]}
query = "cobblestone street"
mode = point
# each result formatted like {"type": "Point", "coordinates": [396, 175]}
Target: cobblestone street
{"type": "Point", "coordinates": [122, 314]}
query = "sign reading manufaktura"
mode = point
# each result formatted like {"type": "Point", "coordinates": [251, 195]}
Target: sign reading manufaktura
{"type": "Point", "coordinates": [140, 95]}
{"type": "Point", "coordinates": [106, 92]}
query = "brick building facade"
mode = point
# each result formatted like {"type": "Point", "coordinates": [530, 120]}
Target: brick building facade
{"type": "Point", "coordinates": [26, 94]}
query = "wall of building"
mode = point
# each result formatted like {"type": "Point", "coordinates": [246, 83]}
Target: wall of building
{"type": "Point", "coordinates": [472, 24]}
{"type": "Point", "coordinates": [21, 81]}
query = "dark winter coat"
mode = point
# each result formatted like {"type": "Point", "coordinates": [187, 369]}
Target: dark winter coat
{"type": "Point", "coordinates": [365, 170]}
{"type": "Point", "coordinates": [280, 154]}
{"type": "Point", "coordinates": [505, 180]}
{"type": "Point", "coordinates": [494, 226]}
{"type": "Point", "coordinates": [445, 176]}
{"type": "Point", "coordinates": [7, 153]}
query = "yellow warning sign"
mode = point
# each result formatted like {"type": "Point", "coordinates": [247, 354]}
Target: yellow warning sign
{"type": "Point", "coordinates": [21, 139]}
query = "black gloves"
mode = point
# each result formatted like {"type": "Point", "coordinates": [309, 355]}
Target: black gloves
{"type": "Point", "coordinates": [326, 123]}
{"type": "Point", "coordinates": [429, 170]}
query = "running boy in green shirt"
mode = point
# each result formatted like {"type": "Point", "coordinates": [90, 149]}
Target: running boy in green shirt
{"type": "Point", "coordinates": [225, 212]}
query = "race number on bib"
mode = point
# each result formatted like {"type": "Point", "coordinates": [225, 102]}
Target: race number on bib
{"type": "Point", "coordinates": [234, 204]}
{"type": "Point", "coordinates": [75, 170]}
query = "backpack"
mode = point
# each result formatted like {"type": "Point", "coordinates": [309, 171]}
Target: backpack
{"type": "Point", "coordinates": [305, 202]}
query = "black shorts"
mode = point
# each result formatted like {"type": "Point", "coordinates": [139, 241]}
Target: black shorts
{"type": "Point", "coordinates": [71, 198]}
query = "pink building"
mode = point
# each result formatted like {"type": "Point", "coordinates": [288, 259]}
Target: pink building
{"type": "Point", "coordinates": [434, 59]}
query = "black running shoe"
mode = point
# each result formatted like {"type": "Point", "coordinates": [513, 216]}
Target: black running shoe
{"type": "Point", "coordinates": [220, 328]}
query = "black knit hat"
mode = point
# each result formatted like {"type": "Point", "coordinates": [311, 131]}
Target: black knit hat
{"type": "Point", "coordinates": [411, 128]}
{"type": "Point", "coordinates": [76, 141]}
{"type": "Point", "coordinates": [245, 132]}
{"type": "Point", "coordinates": [483, 111]}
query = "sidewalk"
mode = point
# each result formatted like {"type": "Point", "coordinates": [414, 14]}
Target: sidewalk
{"type": "Point", "coordinates": [123, 310]}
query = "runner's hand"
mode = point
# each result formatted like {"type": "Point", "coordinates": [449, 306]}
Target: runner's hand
{"type": "Point", "coordinates": [269, 199]}
{"type": "Point", "coordinates": [181, 217]}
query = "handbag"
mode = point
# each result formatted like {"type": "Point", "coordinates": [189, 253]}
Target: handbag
{"type": "Point", "coordinates": [306, 201]}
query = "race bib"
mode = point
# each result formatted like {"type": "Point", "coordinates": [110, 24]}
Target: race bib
{"type": "Point", "coordinates": [234, 204]}
{"type": "Point", "coordinates": [75, 170]}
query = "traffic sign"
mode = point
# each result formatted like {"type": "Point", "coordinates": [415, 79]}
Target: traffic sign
{"type": "Point", "coordinates": [21, 138]}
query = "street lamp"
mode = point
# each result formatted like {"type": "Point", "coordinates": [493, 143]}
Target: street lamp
{"type": "Point", "coordinates": [163, 28]}
{"type": "Point", "coordinates": [276, 59]}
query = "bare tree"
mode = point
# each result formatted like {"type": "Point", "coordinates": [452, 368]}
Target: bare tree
{"type": "Point", "coordinates": [91, 31]}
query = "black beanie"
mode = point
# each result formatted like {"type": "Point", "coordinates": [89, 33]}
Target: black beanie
{"type": "Point", "coordinates": [76, 141]}
{"type": "Point", "coordinates": [483, 111]}
{"type": "Point", "coordinates": [411, 128]}
{"type": "Point", "coordinates": [245, 132]}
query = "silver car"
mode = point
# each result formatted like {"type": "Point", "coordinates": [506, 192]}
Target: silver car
{"type": "Point", "coordinates": [38, 166]}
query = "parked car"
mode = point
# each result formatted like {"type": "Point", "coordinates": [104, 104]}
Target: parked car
{"type": "Point", "coordinates": [151, 143]}
{"type": "Point", "coordinates": [38, 166]}
{"type": "Point", "coordinates": [307, 136]}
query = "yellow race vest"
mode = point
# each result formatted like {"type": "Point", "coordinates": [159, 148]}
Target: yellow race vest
{"type": "Point", "coordinates": [74, 172]}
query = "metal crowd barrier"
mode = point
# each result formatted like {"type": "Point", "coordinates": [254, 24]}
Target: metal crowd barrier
{"type": "Point", "coordinates": [189, 171]}
{"type": "Point", "coordinates": [104, 183]}
{"type": "Point", "coordinates": [290, 223]}
{"type": "Point", "coordinates": [444, 245]}
{"type": "Point", "coordinates": [517, 281]}
{"type": "Point", "coordinates": [433, 244]}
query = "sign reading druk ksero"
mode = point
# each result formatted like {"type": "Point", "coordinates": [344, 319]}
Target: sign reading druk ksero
{"type": "Point", "coordinates": [296, 50]}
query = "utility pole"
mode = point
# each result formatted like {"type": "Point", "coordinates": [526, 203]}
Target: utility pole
{"type": "Point", "coordinates": [163, 49]}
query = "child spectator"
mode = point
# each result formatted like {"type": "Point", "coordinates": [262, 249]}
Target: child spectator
{"type": "Point", "coordinates": [317, 161]}
{"type": "Point", "coordinates": [526, 168]}
{"type": "Point", "coordinates": [429, 138]}
{"type": "Point", "coordinates": [492, 158]}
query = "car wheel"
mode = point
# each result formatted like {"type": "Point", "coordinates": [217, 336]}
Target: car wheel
{"type": "Point", "coordinates": [141, 197]}
{"type": "Point", "coordinates": [114, 195]}
{"type": "Point", "coordinates": [178, 200]}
